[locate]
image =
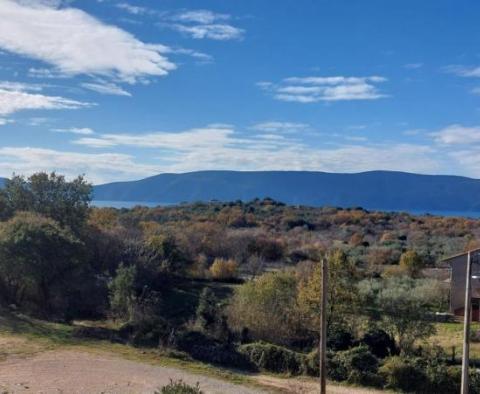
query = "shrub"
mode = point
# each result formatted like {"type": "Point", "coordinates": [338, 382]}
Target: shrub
{"type": "Point", "coordinates": [150, 331]}
{"type": "Point", "coordinates": [207, 349]}
{"type": "Point", "coordinates": [380, 343]}
{"type": "Point", "coordinates": [122, 292]}
{"type": "Point", "coordinates": [311, 363]}
{"type": "Point", "coordinates": [403, 374]}
{"type": "Point", "coordinates": [179, 387]}
{"type": "Point", "coordinates": [339, 338]}
{"type": "Point", "coordinates": [273, 358]}
{"type": "Point", "coordinates": [207, 310]}
{"type": "Point", "coordinates": [266, 306]}
{"type": "Point", "coordinates": [222, 269]}
{"type": "Point", "coordinates": [357, 366]}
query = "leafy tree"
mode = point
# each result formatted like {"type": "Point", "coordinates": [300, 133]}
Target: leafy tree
{"type": "Point", "coordinates": [223, 269]}
{"type": "Point", "coordinates": [37, 260]}
{"type": "Point", "coordinates": [123, 292]}
{"type": "Point", "coordinates": [50, 195]}
{"type": "Point", "coordinates": [341, 293]}
{"type": "Point", "coordinates": [164, 252]}
{"type": "Point", "coordinates": [267, 308]}
{"type": "Point", "coordinates": [412, 263]}
{"type": "Point", "coordinates": [207, 310]}
{"type": "Point", "coordinates": [401, 305]}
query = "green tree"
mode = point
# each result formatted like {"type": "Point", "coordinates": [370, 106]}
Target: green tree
{"type": "Point", "coordinates": [38, 259]}
{"type": "Point", "coordinates": [267, 307]}
{"type": "Point", "coordinates": [341, 293]}
{"type": "Point", "coordinates": [163, 252]}
{"type": "Point", "coordinates": [50, 195]}
{"type": "Point", "coordinates": [123, 292]}
{"type": "Point", "coordinates": [207, 310]}
{"type": "Point", "coordinates": [401, 306]}
{"type": "Point", "coordinates": [412, 263]}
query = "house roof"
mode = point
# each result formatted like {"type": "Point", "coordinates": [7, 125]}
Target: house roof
{"type": "Point", "coordinates": [459, 255]}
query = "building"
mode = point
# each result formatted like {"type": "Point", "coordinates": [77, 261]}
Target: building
{"type": "Point", "coordinates": [458, 274]}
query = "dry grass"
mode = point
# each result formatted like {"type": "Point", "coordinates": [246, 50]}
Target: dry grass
{"type": "Point", "coordinates": [450, 337]}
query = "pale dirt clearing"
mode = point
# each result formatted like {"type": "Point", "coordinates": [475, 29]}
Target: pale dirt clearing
{"type": "Point", "coordinates": [69, 371]}
{"type": "Point", "coordinates": [75, 372]}
{"type": "Point", "coordinates": [308, 386]}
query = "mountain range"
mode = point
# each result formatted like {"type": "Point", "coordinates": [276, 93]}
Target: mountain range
{"type": "Point", "coordinates": [384, 190]}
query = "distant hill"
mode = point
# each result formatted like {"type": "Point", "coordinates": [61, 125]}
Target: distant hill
{"type": "Point", "coordinates": [372, 190]}
{"type": "Point", "coordinates": [2, 181]}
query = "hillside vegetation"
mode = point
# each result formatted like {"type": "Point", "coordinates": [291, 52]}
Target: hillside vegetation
{"type": "Point", "coordinates": [236, 284]}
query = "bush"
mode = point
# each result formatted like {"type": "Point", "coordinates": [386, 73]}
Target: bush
{"type": "Point", "coordinates": [179, 387]}
{"type": "Point", "coordinates": [311, 363]}
{"type": "Point", "coordinates": [357, 366]}
{"type": "Point", "coordinates": [145, 332]}
{"type": "Point", "coordinates": [428, 374]}
{"type": "Point", "coordinates": [273, 358]}
{"type": "Point", "coordinates": [403, 374]}
{"type": "Point", "coordinates": [267, 307]}
{"type": "Point", "coordinates": [339, 338]}
{"type": "Point", "coordinates": [122, 292]}
{"type": "Point", "coordinates": [380, 343]}
{"type": "Point", "coordinates": [222, 269]}
{"type": "Point", "coordinates": [207, 349]}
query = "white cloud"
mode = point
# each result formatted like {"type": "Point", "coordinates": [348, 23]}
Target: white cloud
{"type": "Point", "coordinates": [104, 87]}
{"type": "Point", "coordinates": [76, 43]}
{"type": "Point", "coordinates": [315, 89]}
{"type": "Point", "coordinates": [17, 97]}
{"type": "Point", "coordinates": [76, 130]}
{"type": "Point", "coordinates": [202, 138]}
{"type": "Point", "coordinates": [132, 9]}
{"type": "Point", "coordinates": [463, 71]}
{"type": "Point", "coordinates": [200, 16]}
{"type": "Point", "coordinates": [103, 167]}
{"type": "Point", "coordinates": [45, 73]}
{"type": "Point", "coordinates": [202, 58]}
{"type": "Point", "coordinates": [280, 127]}
{"type": "Point", "coordinates": [221, 147]}
{"type": "Point", "coordinates": [8, 85]}
{"type": "Point", "coordinates": [4, 121]}
{"type": "Point", "coordinates": [202, 24]}
{"type": "Point", "coordinates": [220, 32]}
{"type": "Point", "coordinates": [457, 135]}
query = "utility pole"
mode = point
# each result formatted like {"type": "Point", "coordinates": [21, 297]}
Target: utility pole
{"type": "Point", "coordinates": [323, 329]}
{"type": "Point", "coordinates": [466, 326]}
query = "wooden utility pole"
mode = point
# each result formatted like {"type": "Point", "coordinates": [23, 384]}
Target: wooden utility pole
{"type": "Point", "coordinates": [323, 329]}
{"type": "Point", "coordinates": [466, 326]}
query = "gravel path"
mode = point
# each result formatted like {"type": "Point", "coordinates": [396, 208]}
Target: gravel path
{"type": "Point", "coordinates": [81, 372]}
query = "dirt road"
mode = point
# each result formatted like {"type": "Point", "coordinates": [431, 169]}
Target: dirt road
{"type": "Point", "coordinates": [74, 371]}
{"type": "Point", "coordinates": [69, 371]}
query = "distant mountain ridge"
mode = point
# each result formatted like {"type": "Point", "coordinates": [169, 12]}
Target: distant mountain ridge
{"type": "Point", "coordinates": [387, 190]}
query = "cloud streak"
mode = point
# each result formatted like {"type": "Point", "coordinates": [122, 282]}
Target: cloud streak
{"type": "Point", "coordinates": [16, 97]}
{"type": "Point", "coordinates": [317, 89]}
{"type": "Point", "coordinates": [102, 167]}
{"type": "Point", "coordinates": [457, 135]}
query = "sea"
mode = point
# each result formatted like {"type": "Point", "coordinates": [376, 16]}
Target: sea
{"type": "Point", "coordinates": [131, 204]}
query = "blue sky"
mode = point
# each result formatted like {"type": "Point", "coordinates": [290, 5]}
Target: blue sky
{"type": "Point", "coordinates": [120, 90]}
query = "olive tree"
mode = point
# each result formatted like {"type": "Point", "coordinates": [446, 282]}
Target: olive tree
{"type": "Point", "coordinates": [401, 306]}
{"type": "Point", "coordinates": [37, 260]}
